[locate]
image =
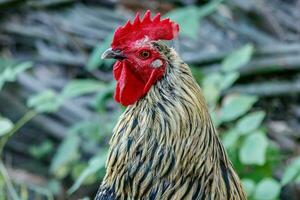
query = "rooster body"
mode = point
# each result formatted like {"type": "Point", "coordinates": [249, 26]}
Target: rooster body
{"type": "Point", "coordinates": [165, 146]}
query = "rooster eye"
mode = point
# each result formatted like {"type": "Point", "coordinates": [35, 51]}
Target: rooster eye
{"type": "Point", "coordinates": [144, 54]}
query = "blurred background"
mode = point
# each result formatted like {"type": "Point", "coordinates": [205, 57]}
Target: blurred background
{"type": "Point", "coordinates": [56, 105]}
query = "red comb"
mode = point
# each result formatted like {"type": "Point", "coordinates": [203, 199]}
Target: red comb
{"type": "Point", "coordinates": [154, 29]}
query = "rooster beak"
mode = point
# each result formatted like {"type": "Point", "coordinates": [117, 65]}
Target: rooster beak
{"type": "Point", "coordinates": [114, 54]}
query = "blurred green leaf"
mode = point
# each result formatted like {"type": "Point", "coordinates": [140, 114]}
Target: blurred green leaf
{"type": "Point", "coordinates": [211, 93]}
{"type": "Point", "coordinates": [89, 129]}
{"type": "Point", "coordinates": [253, 149]}
{"type": "Point", "coordinates": [80, 87]}
{"type": "Point", "coordinates": [291, 172]}
{"type": "Point", "coordinates": [209, 8]}
{"type": "Point", "coordinates": [197, 73]}
{"type": "Point", "coordinates": [267, 189]}
{"type": "Point", "coordinates": [297, 179]}
{"type": "Point", "coordinates": [103, 96]}
{"type": "Point", "coordinates": [230, 138]}
{"type": "Point", "coordinates": [42, 150]}
{"type": "Point", "coordinates": [43, 4]}
{"type": "Point", "coordinates": [67, 152]}
{"type": "Point", "coordinates": [19, 68]}
{"type": "Point", "coordinates": [189, 17]}
{"type": "Point", "coordinates": [228, 79]}
{"type": "Point", "coordinates": [214, 117]}
{"type": "Point", "coordinates": [250, 122]}
{"type": "Point", "coordinates": [95, 60]}
{"type": "Point", "coordinates": [95, 164]}
{"type": "Point", "coordinates": [49, 101]}
{"type": "Point", "coordinates": [212, 79]}
{"type": "Point", "coordinates": [40, 190]}
{"type": "Point", "coordinates": [54, 186]}
{"type": "Point", "coordinates": [77, 170]}
{"type": "Point", "coordinates": [249, 186]}
{"type": "Point", "coordinates": [237, 59]}
{"type": "Point", "coordinates": [5, 126]}
{"type": "Point", "coordinates": [210, 86]}
{"type": "Point", "coordinates": [274, 156]}
{"type": "Point", "coordinates": [235, 106]}
{"type": "Point", "coordinates": [10, 69]}
{"type": "Point", "coordinates": [46, 101]}
{"type": "Point", "coordinates": [2, 188]}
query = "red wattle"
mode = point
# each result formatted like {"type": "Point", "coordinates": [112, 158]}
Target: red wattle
{"type": "Point", "coordinates": [133, 84]}
{"type": "Point", "coordinates": [117, 69]}
{"type": "Point", "coordinates": [129, 88]}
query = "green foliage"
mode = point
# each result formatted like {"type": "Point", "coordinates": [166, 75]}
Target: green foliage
{"type": "Point", "coordinates": [237, 58]}
{"type": "Point", "coordinates": [95, 165]}
{"type": "Point", "coordinates": [10, 69]}
{"type": "Point", "coordinates": [230, 138]}
{"type": "Point", "coordinates": [95, 60]}
{"type": "Point", "coordinates": [267, 189]}
{"type": "Point", "coordinates": [46, 101]}
{"type": "Point", "coordinates": [250, 122]}
{"type": "Point", "coordinates": [215, 83]}
{"type": "Point", "coordinates": [292, 172]}
{"type": "Point", "coordinates": [41, 150]}
{"type": "Point", "coordinates": [212, 89]}
{"type": "Point", "coordinates": [81, 87]}
{"type": "Point", "coordinates": [234, 106]}
{"type": "Point", "coordinates": [5, 126]}
{"type": "Point", "coordinates": [228, 79]}
{"type": "Point", "coordinates": [50, 101]}
{"type": "Point", "coordinates": [66, 160]}
{"type": "Point", "coordinates": [67, 152]}
{"type": "Point", "coordinates": [253, 150]}
{"type": "Point", "coordinates": [189, 17]}
{"type": "Point", "coordinates": [243, 134]}
{"type": "Point", "coordinates": [103, 96]}
{"type": "Point", "coordinates": [249, 186]}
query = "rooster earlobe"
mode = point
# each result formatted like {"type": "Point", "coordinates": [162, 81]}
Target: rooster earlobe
{"type": "Point", "coordinates": [156, 63]}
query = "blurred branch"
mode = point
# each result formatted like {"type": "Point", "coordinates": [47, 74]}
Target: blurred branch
{"type": "Point", "coordinates": [21, 122]}
{"type": "Point", "coordinates": [265, 65]}
{"type": "Point", "coordinates": [273, 49]}
{"type": "Point", "coordinates": [244, 29]}
{"type": "Point", "coordinates": [7, 181]}
{"type": "Point", "coordinates": [267, 89]}
{"type": "Point", "coordinates": [45, 123]}
{"type": "Point", "coordinates": [46, 3]}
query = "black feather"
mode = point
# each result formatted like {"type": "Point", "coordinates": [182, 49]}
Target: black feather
{"type": "Point", "coordinates": [105, 193]}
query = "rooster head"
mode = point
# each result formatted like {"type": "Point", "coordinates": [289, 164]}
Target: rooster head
{"type": "Point", "coordinates": [139, 63]}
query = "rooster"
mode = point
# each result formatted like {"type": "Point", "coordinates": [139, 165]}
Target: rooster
{"type": "Point", "coordinates": [164, 146]}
